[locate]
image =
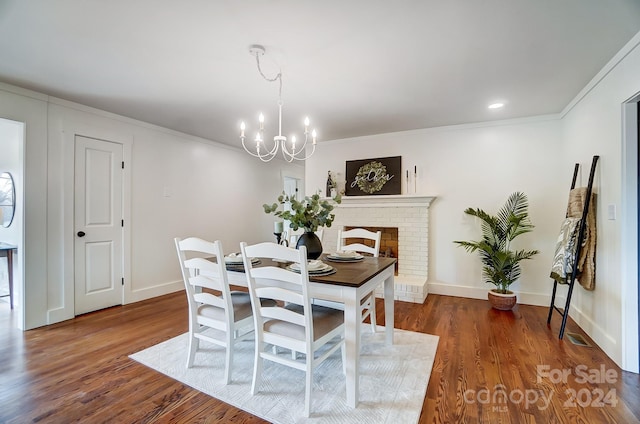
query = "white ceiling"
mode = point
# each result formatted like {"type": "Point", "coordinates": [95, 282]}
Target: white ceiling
{"type": "Point", "coordinates": [355, 67]}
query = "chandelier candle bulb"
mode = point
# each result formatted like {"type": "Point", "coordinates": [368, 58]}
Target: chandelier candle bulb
{"type": "Point", "coordinates": [242, 128]}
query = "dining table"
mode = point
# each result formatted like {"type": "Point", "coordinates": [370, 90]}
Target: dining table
{"type": "Point", "coordinates": [351, 282]}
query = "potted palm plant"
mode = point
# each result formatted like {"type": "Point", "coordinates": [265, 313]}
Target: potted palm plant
{"type": "Point", "coordinates": [500, 264]}
{"type": "Point", "coordinates": [309, 214]}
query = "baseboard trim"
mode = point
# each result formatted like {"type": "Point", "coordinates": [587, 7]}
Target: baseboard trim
{"type": "Point", "coordinates": [525, 298]}
{"type": "Point", "coordinates": [154, 291]}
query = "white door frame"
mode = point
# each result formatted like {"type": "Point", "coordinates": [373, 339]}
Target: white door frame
{"type": "Point", "coordinates": [15, 233]}
{"type": "Point", "coordinates": [629, 236]}
{"type": "Point", "coordinates": [102, 223]}
{"type": "Point", "coordinates": [76, 127]}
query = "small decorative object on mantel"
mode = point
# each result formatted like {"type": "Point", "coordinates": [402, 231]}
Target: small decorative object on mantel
{"type": "Point", "coordinates": [500, 264]}
{"type": "Point", "coordinates": [331, 185]}
{"type": "Point", "coordinates": [310, 214]}
{"type": "Point", "coordinates": [378, 176]}
{"type": "Point", "coordinates": [415, 180]}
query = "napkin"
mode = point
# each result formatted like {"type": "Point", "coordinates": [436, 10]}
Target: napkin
{"type": "Point", "coordinates": [233, 257]}
{"type": "Point", "coordinates": [346, 254]}
{"type": "Point", "coordinates": [313, 265]}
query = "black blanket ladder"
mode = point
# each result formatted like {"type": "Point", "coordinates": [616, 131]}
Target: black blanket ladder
{"type": "Point", "coordinates": [581, 234]}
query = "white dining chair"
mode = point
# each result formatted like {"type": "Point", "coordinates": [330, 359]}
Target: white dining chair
{"type": "Point", "coordinates": [368, 304]}
{"type": "Point", "coordinates": [222, 319]}
{"type": "Point", "coordinates": [294, 323]}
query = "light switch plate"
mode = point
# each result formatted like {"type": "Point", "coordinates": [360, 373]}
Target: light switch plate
{"type": "Point", "coordinates": [611, 212]}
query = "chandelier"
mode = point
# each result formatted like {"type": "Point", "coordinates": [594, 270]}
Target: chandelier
{"type": "Point", "coordinates": [290, 150]}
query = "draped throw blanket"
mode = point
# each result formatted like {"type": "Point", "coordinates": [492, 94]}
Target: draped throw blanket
{"type": "Point", "coordinates": [566, 245]}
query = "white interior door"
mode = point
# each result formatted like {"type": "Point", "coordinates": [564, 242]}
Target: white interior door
{"type": "Point", "coordinates": [98, 224]}
{"type": "Point", "coordinates": [291, 187]}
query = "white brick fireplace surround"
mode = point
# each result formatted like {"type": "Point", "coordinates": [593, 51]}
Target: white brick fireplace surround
{"type": "Point", "coordinates": [410, 214]}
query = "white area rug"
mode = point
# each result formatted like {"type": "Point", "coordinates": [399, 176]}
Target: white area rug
{"type": "Point", "coordinates": [393, 379]}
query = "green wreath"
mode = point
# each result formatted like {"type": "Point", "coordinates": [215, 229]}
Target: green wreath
{"type": "Point", "coordinates": [368, 184]}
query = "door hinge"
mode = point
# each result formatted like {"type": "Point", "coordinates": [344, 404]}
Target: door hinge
{"type": "Point", "coordinates": [123, 281]}
{"type": "Point", "coordinates": [122, 164]}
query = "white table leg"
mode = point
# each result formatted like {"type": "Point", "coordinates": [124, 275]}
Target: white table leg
{"type": "Point", "coordinates": [352, 320]}
{"type": "Point", "coordinates": [388, 309]}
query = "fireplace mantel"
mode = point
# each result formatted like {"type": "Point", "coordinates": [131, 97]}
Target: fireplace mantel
{"type": "Point", "coordinates": [381, 201]}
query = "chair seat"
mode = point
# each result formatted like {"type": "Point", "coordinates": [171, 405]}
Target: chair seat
{"type": "Point", "coordinates": [241, 307]}
{"type": "Point", "coordinates": [324, 321]}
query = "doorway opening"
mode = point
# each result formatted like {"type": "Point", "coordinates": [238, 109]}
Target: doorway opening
{"type": "Point", "coordinates": [12, 230]}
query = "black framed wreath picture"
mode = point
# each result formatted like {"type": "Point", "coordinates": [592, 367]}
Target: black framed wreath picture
{"type": "Point", "coordinates": [367, 177]}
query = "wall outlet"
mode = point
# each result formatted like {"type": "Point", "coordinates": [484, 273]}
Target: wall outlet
{"type": "Point", "coordinates": [611, 212]}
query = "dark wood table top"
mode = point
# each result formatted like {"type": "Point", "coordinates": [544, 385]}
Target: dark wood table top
{"type": "Point", "coordinates": [350, 274]}
{"type": "Point", "coordinates": [353, 274]}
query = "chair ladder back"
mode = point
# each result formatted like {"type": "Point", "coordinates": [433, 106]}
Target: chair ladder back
{"type": "Point", "coordinates": [199, 273]}
{"type": "Point", "coordinates": [360, 233]}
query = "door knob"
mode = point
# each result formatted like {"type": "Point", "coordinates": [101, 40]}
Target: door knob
{"type": "Point", "coordinates": [81, 234]}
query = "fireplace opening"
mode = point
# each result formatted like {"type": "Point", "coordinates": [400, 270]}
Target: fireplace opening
{"type": "Point", "coordinates": [388, 241]}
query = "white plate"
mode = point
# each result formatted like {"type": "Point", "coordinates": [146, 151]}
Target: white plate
{"type": "Point", "coordinates": [324, 271]}
{"type": "Point", "coordinates": [313, 266]}
{"type": "Point", "coordinates": [339, 259]}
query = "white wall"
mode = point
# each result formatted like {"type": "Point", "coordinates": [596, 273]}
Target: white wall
{"type": "Point", "coordinates": [479, 165]}
{"type": "Point", "coordinates": [214, 191]}
{"type": "Point", "coordinates": [594, 126]}
{"type": "Point", "coordinates": [31, 109]}
{"type": "Point", "coordinates": [472, 166]}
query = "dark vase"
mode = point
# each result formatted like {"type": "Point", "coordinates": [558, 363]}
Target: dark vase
{"type": "Point", "coordinates": [313, 244]}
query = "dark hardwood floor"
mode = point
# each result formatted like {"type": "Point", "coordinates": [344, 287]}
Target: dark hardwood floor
{"type": "Point", "coordinates": [491, 367]}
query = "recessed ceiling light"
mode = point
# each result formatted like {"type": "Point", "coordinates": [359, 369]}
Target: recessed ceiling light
{"type": "Point", "coordinates": [496, 105]}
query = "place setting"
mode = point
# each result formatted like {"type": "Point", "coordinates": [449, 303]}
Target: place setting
{"type": "Point", "coordinates": [345, 256]}
{"type": "Point", "coordinates": [235, 262]}
{"type": "Point", "coordinates": [314, 267]}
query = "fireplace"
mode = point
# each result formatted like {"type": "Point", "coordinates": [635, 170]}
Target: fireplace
{"type": "Point", "coordinates": [388, 241]}
{"type": "Point", "coordinates": [409, 215]}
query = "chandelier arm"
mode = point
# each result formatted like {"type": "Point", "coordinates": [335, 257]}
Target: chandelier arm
{"type": "Point", "coordinates": [271, 153]}
{"type": "Point", "coordinates": [247, 150]}
{"type": "Point", "coordinates": [287, 154]}
{"type": "Point", "coordinates": [298, 149]}
{"type": "Point", "coordinates": [309, 155]}
{"type": "Point", "coordinates": [274, 150]}
{"type": "Point", "coordinates": [268, 158]}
